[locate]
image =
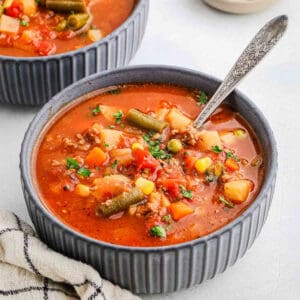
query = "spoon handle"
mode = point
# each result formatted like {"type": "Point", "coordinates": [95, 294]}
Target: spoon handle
{"type": "Point", "coordinates": [261, 44]}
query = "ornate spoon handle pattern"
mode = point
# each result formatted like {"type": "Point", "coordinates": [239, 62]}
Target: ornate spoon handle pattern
{"type": "Point", "coordinates": [261, 44]}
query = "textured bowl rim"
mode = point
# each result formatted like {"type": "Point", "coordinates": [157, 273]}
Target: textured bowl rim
{"type": "Point", "coordinates": [79, 50]}
{"type": "Point", "coordinates": [27, 174]}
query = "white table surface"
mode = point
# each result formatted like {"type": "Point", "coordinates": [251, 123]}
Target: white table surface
{"type": "Point", "coordinates": [190, 34]}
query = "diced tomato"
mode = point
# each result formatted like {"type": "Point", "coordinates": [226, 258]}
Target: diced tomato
{"type": "Point", "coordinates": [231, 164]}
{"type": "Point", "coordinates": [172, 187]}
{"type": "Point", "coordinates": [45, 47]}
{"type": "Point", "coordinates": [15, 10]}
{"type": "Point", "coordinates": [145, 160]}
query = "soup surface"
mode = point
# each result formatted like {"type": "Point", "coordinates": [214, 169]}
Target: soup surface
{"type": "Point", "coordinates": [127, 167]}
{"type": "Point", "coordinates": [47, 27]}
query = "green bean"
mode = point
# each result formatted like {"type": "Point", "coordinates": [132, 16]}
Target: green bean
{"type": "Point", "coordinates": [139, 119]}
{"type": "Point", "coordinates": [65, 5]}
{"type": "Point", "coordinates": [120, 202]}
{"type": "Point", "coordinates": [77, 21]}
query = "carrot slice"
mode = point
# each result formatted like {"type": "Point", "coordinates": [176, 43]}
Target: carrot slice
{"type": "Point", "coordinates": [179, 210]}
{"type": "Point", "coordinates": [95, 157]}
{"type": "Point", "coordinates": [231, 164]}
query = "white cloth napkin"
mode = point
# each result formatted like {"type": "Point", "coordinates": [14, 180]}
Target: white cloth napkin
{"type": "Point", "coordinates": [31, 270]}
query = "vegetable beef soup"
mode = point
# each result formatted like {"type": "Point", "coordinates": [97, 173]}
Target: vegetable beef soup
{"type": "Point", "coordinates": [46, 27]}
{"type": "Point", "coordinates": [127, 167]}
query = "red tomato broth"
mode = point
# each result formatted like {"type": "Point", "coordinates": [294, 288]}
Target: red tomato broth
{"type": "Point", "coordinates": [107, 16]}
{"type": "Point", "coordinates": [125, 229]}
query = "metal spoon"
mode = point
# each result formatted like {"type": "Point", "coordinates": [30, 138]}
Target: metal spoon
{"type": "Point", "coordinates": [261, 44]}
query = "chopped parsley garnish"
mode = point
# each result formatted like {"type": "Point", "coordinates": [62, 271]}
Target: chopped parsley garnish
{"type": "Point", "coordinates": [226, 202]}
{"type": "Point", "coordinates": [106, 145]}
{"type": "Point", "coordinates": [96, 110]}
{"type": "Point", "coordinates": [216, 149]}
{"type": "Point", "coordinates": [111, 126]}
{"type": "Point", "coordinates": [84, 172]}
{"type": "Point", "coordinates": [114, 164]}
{"type": "Point", "coordinates": [72, 163]}
{"type": "Point", "coordinates": [118, 116]}
{"type": "Point", "coordinates": [155, 149]}
{"type": "Point", "coordinates": [229, 154]}
{"type": "Point", "coordinates": [209, 178]}
{"type": "Point", "coordinates": [186, 193]}
{"type": "Point", "coordinates": [115, 91]}
{"type": "Point", "coordinates": [202, 98]}
{"type": "Point", "coordinates": [158, 231]}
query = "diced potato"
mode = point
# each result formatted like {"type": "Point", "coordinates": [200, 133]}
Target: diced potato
{"type": "Point", "coordinates": [28, 36]}
{"type": "Point", "coordinates": [164, 201]}
{"type": "Point", "coordinates": [238, 190]}
{"type": "Point", "coordinates": [94, 35]}
{"type": "Point", "coordinates": [146, 186]}
{"type": "Point", "coordinates": [123, 156]}
{"type": "Point", "coordinates": [132, 210]}
{"type": "Point", "coordinates": [97, 128]}
{"type": "Point", "coordinates": [108, 112]}
{"type": "Point", "coordinates": [9, 24]}
{"type": "Point", "coordinates": [161, 114]}
{"type": "Point", "coordinates": [207, 139]}
{"type": "Point", "coordinates": [110, 185]}
{"type": "Point", "coordinates": [110, 138]}
{"type": "Point", "coordinates": [82, 190]}
{"type": "Point", "coordinates": [7, 3]}
{"type": "Point", "coordinates": [29, 7]}
{"type": "Point", "coordinates": [227, 138]}
{"type": "Point", "coordinates": [202, 164]}
{"type": "Point", "coordinates": [177, 119]}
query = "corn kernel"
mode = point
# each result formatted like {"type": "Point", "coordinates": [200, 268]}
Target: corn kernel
{"type": "Point", "coordinates": [202, 164]}
{"type": "Point", "coordinates": [146, 186]}
{"type": "Point", "coordinates": [239, 133]}
{"type": "Point", "coordinates": [135, 146]}
{"type": "Point", "coordinates": [82, 190]}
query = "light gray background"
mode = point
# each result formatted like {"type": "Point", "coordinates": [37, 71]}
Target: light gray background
{"type": "Point", "coordinates": [188, 33]}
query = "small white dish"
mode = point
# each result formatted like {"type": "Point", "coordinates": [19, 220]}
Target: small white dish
{"type": "Point", "coordinates": [240, 6]}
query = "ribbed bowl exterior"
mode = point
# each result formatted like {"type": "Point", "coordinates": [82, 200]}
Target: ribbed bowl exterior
{"type": "Point", "coordinates": [33, 81]}
{"type": "Point", "coordinates": [161, 269]}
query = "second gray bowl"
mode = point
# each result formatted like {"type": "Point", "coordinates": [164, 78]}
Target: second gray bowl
{"type": "Point", "coordinates": [153, 269]}
{"type": "Point", "coordinates": [34, 80]}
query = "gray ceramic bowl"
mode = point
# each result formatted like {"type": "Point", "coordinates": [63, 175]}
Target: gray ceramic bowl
{"type": "Point", "coordinates": [34, 80]}
{"type": "Point", "coordinates": [159, 269]}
